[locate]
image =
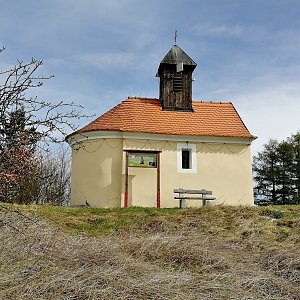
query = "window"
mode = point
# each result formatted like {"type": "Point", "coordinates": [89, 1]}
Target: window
{"type": "Point", "coordinates": [186, 158]}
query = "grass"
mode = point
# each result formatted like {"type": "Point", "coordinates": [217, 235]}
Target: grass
{"type": "Point", "coordinates": [143, 253]}
{"type": "Point", "coordinates": [94, 221]}
{"type": "Point", "coordinates": [100, 221]}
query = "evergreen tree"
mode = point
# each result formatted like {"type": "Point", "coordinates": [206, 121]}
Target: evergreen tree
{"type": "Point", "coordinates": [265, 166]}
{"type": "Point", "coordinates": [284, 168]}
{"type": "Point", "coordinates": [18, 168]}
{"type": "Point", "coordinates": [277, 170]}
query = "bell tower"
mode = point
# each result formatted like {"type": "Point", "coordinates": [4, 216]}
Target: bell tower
{"type": "Point", "coordinates": [175, 80]}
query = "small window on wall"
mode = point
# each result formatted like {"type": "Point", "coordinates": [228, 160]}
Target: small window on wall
{"type": "Point", "coordinates": [186, 158]}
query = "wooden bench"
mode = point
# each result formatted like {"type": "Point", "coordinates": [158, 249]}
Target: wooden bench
{"type": "Point", "coordinates": [184, 195]}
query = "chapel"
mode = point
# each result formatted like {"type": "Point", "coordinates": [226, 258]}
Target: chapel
{"type": "Point", "coordinates": [142, 149]}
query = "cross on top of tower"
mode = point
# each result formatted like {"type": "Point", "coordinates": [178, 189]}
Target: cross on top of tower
{"type": "Point", "coordinates": [175, 37]}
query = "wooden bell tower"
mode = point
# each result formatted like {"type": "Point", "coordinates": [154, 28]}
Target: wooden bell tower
{"type": "Point", "coordinates": [175, 74]}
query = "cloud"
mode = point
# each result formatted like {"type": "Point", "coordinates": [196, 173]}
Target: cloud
{"type": "Point", "coordinates": [270, 109]}
{"type": "Point", "coordinates": [210, 30]}
{"type": "Point", "coordinates": [105, 60]}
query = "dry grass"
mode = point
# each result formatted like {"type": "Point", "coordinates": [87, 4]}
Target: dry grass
{"type": "Point", "coordinates": [210, 253]}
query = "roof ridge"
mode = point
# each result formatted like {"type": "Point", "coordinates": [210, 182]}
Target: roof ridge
{"type": "Point", "coordinates": [140, 98]}
{"type": "Point", "coordinates": [194, 101]}
{"type": "Point", "coordinates": [212, 102]}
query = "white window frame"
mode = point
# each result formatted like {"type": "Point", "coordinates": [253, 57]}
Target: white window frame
{"type": "Point", "coordinates": [193, 158]}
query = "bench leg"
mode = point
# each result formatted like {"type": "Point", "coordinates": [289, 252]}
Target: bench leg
{"type": "Point", "coordinates": [204, 202]}
{"type": "Point", "coordinates": [182, 203]}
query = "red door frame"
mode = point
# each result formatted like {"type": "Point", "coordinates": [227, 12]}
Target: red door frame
{"type": "Point", "coordinates": [158, 177]}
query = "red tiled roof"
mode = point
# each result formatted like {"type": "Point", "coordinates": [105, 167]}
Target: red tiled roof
{"type": "Point", "coordinates": [146, 115]}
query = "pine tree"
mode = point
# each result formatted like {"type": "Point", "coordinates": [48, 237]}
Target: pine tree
{"type": "Point", "coordinates": [18, 168]}
{"type": "Point", "coordinates": [265, 166]}
{"type": "Point", "coordinates": [277, 170]}
{"type": "Point", "coordinates": [284, 168]}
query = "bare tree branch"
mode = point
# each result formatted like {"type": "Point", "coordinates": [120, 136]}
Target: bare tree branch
{"type": "Point", "coordinates": [27, 122]}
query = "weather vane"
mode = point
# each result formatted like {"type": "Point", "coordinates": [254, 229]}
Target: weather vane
{"type": "Point", "coordinates": [175, 36]}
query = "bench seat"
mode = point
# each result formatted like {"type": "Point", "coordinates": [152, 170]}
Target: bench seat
{"type": "Point", "coordinates": [184, 194]}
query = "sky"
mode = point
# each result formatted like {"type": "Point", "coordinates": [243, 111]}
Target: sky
{"type": "Point", "coordinates": [101, 52]}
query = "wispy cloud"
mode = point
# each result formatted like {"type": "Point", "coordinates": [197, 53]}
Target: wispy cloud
{"type": "Point", "coordinates": [106, 60]}
{"type": "Point", "coordinates": [270, 108]}
{"type": "Point", "coordinates": [223, 30]}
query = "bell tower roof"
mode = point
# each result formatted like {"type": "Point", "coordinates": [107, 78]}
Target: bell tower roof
{"type": "Point", "coordinates": [176, 56]}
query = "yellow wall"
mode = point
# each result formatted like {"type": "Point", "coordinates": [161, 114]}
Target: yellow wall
{"type": "Point", "coordinates": [98, 173]}
{"type": "Point", "coordinates": [228, 175]}
{"type": "Point", "coordinates": [225, 169]}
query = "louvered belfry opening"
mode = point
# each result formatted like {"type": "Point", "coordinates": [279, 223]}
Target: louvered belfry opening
{"type": "Point", "coordinates": [175, 74]}
{"type": "Point", "coordinates": [177, 83]}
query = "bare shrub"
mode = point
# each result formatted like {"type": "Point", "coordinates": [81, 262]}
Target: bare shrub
{"type": "Point", "coordinates": [54, 178]}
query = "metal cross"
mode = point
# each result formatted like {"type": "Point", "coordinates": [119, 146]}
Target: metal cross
{"type": "Point", "coordinates": [175, 36]}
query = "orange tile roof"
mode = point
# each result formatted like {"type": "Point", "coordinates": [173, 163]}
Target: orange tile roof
{"type": "Point", "coordinates": [146, 115]}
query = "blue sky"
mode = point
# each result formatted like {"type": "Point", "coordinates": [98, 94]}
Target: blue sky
{"type": "Point", "coordinates": [101, 52]}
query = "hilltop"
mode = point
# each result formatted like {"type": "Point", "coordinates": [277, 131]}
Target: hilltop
{"type": "Point", "coordinates": [141, 253]}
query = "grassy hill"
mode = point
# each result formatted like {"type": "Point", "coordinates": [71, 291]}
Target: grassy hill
{"type": "Point", "coordinates": [217, 252]}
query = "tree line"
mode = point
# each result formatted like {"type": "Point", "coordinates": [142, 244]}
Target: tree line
{"type": "Point", "coordinates": [277, 170]}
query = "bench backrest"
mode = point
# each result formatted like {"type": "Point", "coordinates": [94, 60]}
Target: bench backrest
{"type": "Point", "coordinates": [182, 191]}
